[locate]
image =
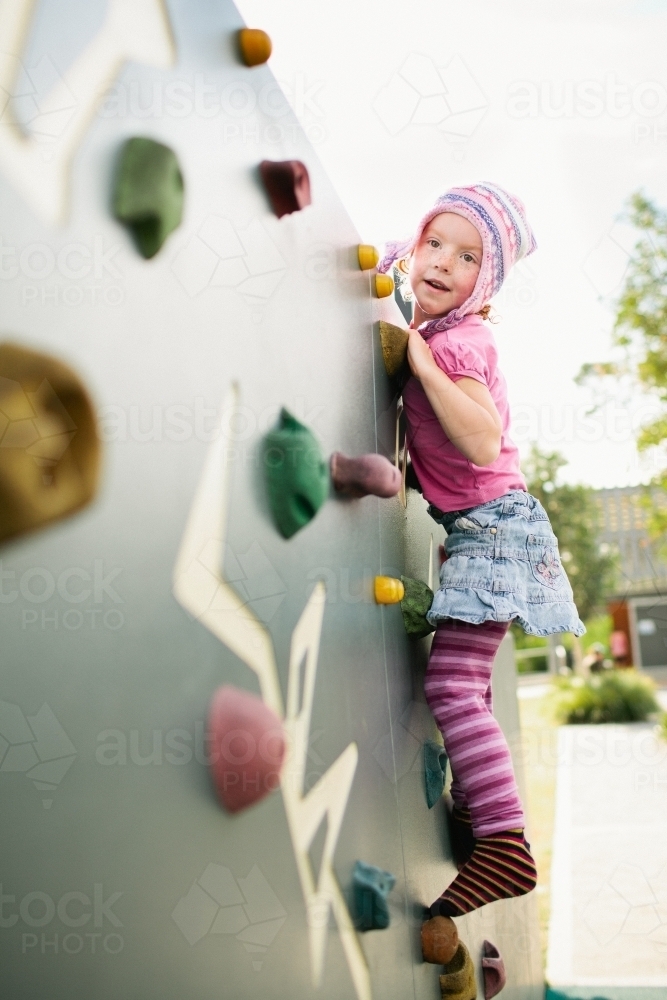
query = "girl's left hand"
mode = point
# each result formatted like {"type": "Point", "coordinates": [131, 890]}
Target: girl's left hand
{"type": "Point", "coordinates": [420, 358]}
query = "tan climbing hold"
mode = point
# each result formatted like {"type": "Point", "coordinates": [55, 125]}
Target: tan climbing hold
{"type": "Point", "coordinates": [254, 45]}
{"type": "Point", "coordinates": [388, 590]}
{"type": "Point", "coordinates": [49, 448]}
{"type": "Point", "coordinates": [457, 981]}
{"type": "Point", "coordinates": [384, 285]}
{"type": "Point", "coordinates": [394, 341]}
{"type": "Point", "coordinates": [368, 256]}
{"type": "Point", "coordinates": [440, 940]}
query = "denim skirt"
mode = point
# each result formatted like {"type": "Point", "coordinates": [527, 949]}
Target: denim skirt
{"type": "Point", "coordinates": [502, 564]}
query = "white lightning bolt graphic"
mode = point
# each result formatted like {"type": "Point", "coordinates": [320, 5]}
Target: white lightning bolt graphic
{"type": "Point", "coordinates": [201, 589]}
{"type": "Point", "coordinates": [135, 30]}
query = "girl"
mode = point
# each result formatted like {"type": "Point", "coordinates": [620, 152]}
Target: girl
{"type": "Point", "coordinates": [501, 556]}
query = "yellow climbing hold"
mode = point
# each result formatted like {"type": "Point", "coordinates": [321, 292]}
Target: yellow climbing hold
{"type": "Point", "coordinates": [384, 285]}
{"type": "Point", "coordinates": [255, 46]}
{"type": "Point", "coordinates": [388, 590]}
{"type": "Point", "coordinates": [368, 256]}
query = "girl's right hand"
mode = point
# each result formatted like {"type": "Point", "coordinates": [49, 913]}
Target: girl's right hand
{"type": "Point", "coordinates": [420, 358]}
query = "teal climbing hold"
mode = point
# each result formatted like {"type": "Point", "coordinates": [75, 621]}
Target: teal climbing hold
{"type": "Point", "coordinates": [296, 474]}
{"type": "Point", "coordinates": [435, 771]}
{"type": "Point", "coordinates": [371, 887]}
{"type": "Point", "coordinates": [415, 606]}
{"type": "Point", "coordinates": [148, 193]}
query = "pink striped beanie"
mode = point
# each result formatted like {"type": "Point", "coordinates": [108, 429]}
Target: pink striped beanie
{"type": "Point", "coordinates": [500, 219]}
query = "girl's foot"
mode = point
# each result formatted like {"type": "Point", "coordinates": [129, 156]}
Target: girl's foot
{"type": "Point", "coordinates": [460, 835]}
{"type": "Point", "coordinates": [501, 867]}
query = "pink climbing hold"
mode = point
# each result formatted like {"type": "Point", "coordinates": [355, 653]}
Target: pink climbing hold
{"type": "Point", "coordinates": [287, 184]}
{"type": "Point", "coordinates": [247, 747]}
{"type": "Point", "coordinates": [364, 476]}
{"type": "Point", "coordinates": [493, 970]}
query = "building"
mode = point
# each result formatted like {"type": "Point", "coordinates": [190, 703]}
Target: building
{"type": "Point", "coordinates": [638, 604]}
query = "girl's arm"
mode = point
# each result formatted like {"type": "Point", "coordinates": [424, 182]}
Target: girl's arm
{"type": "Point", "coordinates": [465, 410]}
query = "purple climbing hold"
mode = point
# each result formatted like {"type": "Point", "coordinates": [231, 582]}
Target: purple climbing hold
{"type": "Point", "coordinates": [247, 747]}
{"type": "Point", "coordinates": [287, 184]}
{"type": "Point", "coordinates": [493, 970]}
{"type": "Point", "coordinates": [364, 476]}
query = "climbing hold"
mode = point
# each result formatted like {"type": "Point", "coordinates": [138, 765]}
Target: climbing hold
{"type": "Point", "coordinates": [368, 256]}
{"type": "Point", "coordinates": [287, 184]}
{"type": "Point", "coordinates": [440, 940]}
{"type": "Point", "coordinates": [371, 887]}
{"type": "Point", "coordinates": [435, 771]}
{"type": "Point", "coordinates": [49, 448]}
{"type": "Point", "coordinates": [296, 474]}
{"type": "Point", "coordinates": [247, 747]}
{"type": "Point", "coordinates": [254, 46]}
{"type": "Point", "coordinates": [388, 590]}
{"type": "Point", "coordinates": [457, 981]}
{"type": "Point", "coordinates": [394, 341]}
{"type": "Point", "coordinates": [415, 605]}
{"type": "Point", "coordinates": [148, 193]}
{"type": "Point", "coordinates": [384, 285]}
{"type": "Point", "coordinates": [364, 476]}
{"type": "Point", "coordinates": [493, 970]}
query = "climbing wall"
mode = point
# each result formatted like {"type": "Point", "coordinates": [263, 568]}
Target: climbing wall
{"type": "Point", "coordinates": [188, 316]}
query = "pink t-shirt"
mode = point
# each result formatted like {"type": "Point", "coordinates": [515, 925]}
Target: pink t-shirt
{"type": "Point", "coordinates": [448, 479]}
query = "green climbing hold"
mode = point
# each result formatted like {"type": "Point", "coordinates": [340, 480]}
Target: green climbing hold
{"type": "Point", "coordinates": [371, 887]}
{"type": "Point", "coordinates": [435, 770]}
{"type": "Point", "coordinates": [148, 193]}
{"type": "Point", "coordinates": [297, 476]}
{"type": "Point", "coordinates": [415, 606]}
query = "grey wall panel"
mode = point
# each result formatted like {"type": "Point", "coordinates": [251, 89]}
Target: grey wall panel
{"type": "Point", "coordinates": [124, 670]}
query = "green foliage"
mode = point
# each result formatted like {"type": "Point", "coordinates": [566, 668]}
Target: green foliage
{"type": "Point", "coordinates": [574, 518]}
{"type": "Point", "coordinates": [640, 330]}
{"type": "Point", "coordinates": [616, 696]}
{"type": "Point", "coordinates": [663, 725]}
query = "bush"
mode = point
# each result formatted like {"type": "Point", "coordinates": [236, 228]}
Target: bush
{"type": "Point", "coordinates": [617, 696]}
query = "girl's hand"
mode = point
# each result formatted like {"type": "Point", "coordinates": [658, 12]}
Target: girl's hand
{"type": "Point", "coordinates": [420, 358]}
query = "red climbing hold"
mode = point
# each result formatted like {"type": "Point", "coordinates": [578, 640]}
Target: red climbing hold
{"type": "Point", "coordinates": [287, 184]}
{"type": "Point", "coordinates": [493, 970]}
{"type": "Point", "coordinates": [365, 475]}
{"type": "Point", "coordinates": [247, 747]}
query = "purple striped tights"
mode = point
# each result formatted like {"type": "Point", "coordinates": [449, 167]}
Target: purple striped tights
{"type": "Point", "coordinates": [458, 692]}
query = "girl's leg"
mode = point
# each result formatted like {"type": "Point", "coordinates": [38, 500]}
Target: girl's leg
{"type": "Point", "coordinates": [457, 687]}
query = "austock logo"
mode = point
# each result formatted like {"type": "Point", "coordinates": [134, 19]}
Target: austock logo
{"type": "Point", "coordinates": [37, 746]}
{"type": "Point", "coordinates": [219, 904]}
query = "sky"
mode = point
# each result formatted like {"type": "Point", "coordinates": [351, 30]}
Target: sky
{"type": "Point", "coordinates": [564, 104]}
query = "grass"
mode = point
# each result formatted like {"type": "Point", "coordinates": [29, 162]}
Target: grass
{"type": "Point", "coordinates": [662, 722]}
{"type": "Point", "coordinates": [614, 696]}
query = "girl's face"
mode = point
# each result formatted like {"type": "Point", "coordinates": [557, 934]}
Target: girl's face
{"type": "Point", "coordinates": [444, 266]}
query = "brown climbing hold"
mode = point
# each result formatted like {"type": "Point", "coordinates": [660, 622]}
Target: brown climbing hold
{"type": "Point", "coordinates": [247, 747]}
{"type": "Point", "coordinates": [440, 940]}
{"type": "Point", "coordinates": [49, 448]}
{"type": "Point", "coordinates": [287, 184]}
{"type": "Point", "coordinates": [493, 970]}
{"type": "Point", "coordinates": [457, 981]}
{"type": "Point", "coordinates": [366, 475]}
{"type": "Point", "coordinates": [254, 46]}
{"type": "Point", "coordinates": [394, 341]}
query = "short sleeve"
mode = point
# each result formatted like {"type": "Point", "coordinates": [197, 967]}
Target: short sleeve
{"type": "Point", "coordinates": [466, 360]}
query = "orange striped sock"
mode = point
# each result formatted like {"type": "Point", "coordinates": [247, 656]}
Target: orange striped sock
{"type": "Point", "coordinates": [501, 866]}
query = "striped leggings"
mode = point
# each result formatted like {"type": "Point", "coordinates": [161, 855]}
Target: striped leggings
{"type": "Point", "coordinates": [458, 692]}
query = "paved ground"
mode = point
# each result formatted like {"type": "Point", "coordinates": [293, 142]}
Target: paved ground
{"type": "Point", "coordinates": [609, 875]}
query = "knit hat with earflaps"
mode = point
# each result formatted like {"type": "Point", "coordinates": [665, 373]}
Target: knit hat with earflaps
{"type": "Point", "coordinates": [500, 219]}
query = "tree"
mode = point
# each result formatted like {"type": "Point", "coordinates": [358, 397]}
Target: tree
{"type": "Point", "coordinates": [574, 517]}
{"type": "Point", "coordinates": [640, 331]}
